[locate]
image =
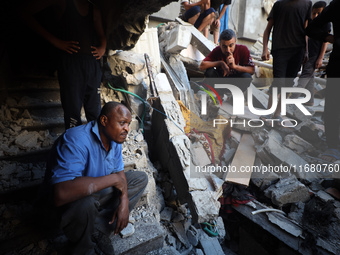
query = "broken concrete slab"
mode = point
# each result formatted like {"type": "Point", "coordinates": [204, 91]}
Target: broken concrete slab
{"type": "Point", "coordinates": [310, 132]}
{"type": "Point", "coordinates": [284, 156]}
{"type": "Point", "coordinates": [203, 44]}
{"type": "Point", "coordinates": [287, 191]}
{"type": "Point", "coordinates": [148, 236]}
{"type": "Point", "coordinates": [180, 232]}
{"type": "Point", "coordinates": [209, 244]}
{"type": "Point", "coordinates": [27, 140]}
{"type": "Point", "coordinates": [166, 214]}
{"type": "Point", "coordinates": [178, 39]}
{"type": "Point", "coordinates": [297, 144]}
{"type": "Point", "coordinates": [207, 207]}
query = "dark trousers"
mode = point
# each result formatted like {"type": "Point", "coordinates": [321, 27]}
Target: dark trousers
{"type": "Point", "coordinates": [306, 79]}
{"type": "Point", "coordinates": [286, 65]}
{"type": "Point", "coordinates": [332, 104]}
{"type": "Point", "coordinates": [243, 83]}
{"type": "Point", "coordinates": [79, 79]}
{"type": "Point", "coordinates": [79, 218]}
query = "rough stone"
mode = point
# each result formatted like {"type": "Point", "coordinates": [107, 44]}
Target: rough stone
{"type": "Point", "coordinates": [148, 236]}
{"type": "Point", "coordinates": [284, 156]}
{"type": "Point", "coordinates": [27, 140]}
{"type": "Point", "coordinates": [178, 39]}
{"type": "Point", "coordinates": [296, 212]}
{"type": "Point", "coordinates": [193, 235]}
{"type": "Point", "coordinates": [287, 191]}
{"type": "Point", "coordinates": [297, 144]}
{"type": "Point", "coordinates": [296, 113]}
{"type": "Point", "coordinates": [207, 207]}
{"type": "Point", "coordinates": [166, 214]}
{"type": "Point", "coordinates": [210, 245]}
{"type": "Point", "coordinates": [129, 230]}
{"type": "Point", "coordinates": [324, 196]}
{"type": "Point", "coordinates": [310, 132]}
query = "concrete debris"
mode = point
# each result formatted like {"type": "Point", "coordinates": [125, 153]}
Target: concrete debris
{"type": "Point", "coordinates": [297, 144]}
{"type": "Point", "coordinates": [287, 191]}
{"type": "Point", "coordinates": [178, 39]}
{"type": "Point", "coordinates": [127, 231]}
{"type": "Point", "coordinates": [166, 214]}
{"type": "Point", "coordinates": [210, 245]}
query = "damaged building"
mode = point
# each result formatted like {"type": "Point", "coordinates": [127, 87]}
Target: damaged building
{"type": "Point", "coordinates": [239, 187]}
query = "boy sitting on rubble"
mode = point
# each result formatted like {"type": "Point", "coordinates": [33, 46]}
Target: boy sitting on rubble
{"type": "Point", "coordinates": [229, 60]}
{"type": "Point", "coordinates": [316, 52]}
{"type": "Point", "coordinates": [198, 13]}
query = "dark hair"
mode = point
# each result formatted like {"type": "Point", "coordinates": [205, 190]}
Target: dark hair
{"type": "Point", "coordinates": [108, 108]}
{"type": "Point", "coordinates": [319, 4]}
{"type": "Point", "coordinates": [227, 35]}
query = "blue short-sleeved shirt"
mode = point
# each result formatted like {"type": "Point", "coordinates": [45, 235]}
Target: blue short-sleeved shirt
{"type": "Point", "coordinates": [80, 152]}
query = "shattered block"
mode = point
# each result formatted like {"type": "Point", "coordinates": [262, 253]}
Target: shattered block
{"type": "Point", "coordinates": [297, 144]}
{"type": "Point", "coordinates": [27, 140]}
{"type": "Point", "coordinates": [179, 38]}
{"type": "Point", "coordinates": [287, 191]}
{"type": "Point", "coordinates": [207, 207]}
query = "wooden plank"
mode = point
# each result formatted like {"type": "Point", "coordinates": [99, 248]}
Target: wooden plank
{"type": "Point", "coordinates": [244, 156]}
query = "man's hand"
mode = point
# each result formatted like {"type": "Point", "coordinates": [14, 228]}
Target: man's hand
{"type": "Point", "coordinates": [231, 61]}
{"type": "Point", "coordinates": [217, 23]}
{"type": "Point", "coordinates": [265, 55]}
{"type": "Point", "coordinates": [68, 46]}
{"type": "Point", "coordinates": [98, 52]}
{"type": "Point", "coordinates": [305, 57]}
{"type": "Point", "coordinates": [318, 63]}
{"type": "Point", "coordinates": [225, 68]}
{"type": "Point", "coordinates": [122, 214]}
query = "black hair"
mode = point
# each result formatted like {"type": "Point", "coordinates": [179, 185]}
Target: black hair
{"type": "Point", "coordinates": [319, 4]}
{"type": "Point", "coordinates": [227, 35]}
{"type": "Point", "coordinates": [108, 108]}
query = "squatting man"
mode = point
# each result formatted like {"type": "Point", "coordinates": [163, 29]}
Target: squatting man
{"type": "Point", "coordinates": [85, 173]}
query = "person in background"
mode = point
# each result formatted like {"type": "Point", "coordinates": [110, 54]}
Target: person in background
{"type": "Point", "coordinates": [198, 13]}
{"type": "Point", "coordinates": [288, 19]}
{"type": "Point", "coordinates": [229, 60]}
{"type": "Point", "coordinates": [316, 52]}
{"type": "Point", "coordinates": [81, 41]}
{"type": "Point", "coordinates": [332, 103]}
{"type": "Point", "coordinates": [220, 11]}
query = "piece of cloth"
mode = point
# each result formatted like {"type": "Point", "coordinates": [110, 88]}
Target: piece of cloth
{"type": "Point", "coordinates": [80, 218]}
{"type": "Point", "coordinates": [314, 46]}
{"type": "Point", "coordinates": [234, 195]}
{"type": "Point", "coordinates": [289, 23]}
{"type": "Point", "coordinates": [79, 74]}
{"type": "Point", "coordinates": [202, 16]}
{"type": "Point", "coordinates": [332, 102]}
{"type": "Point", "coordinates": [212, 138]}
{"type": "Point", "coordinates": [241, 55]}
{"type": "Point", "coordinates": [80, 152]}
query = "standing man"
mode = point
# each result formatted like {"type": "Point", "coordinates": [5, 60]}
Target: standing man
{"type": "Point", "coordinates": [220, 7]}
{"type": "Point", "coordinates": [198, 13]}
{"type": "Point", "coordinates": [288, 18]}
{"type": "Point", "coordinates": [81, 41]}
{"type": "Point", "coordinates": [332, 102]}
{"type": "Point", "coordinates": [85, 174]}
{"type": "Point", "coordinates": [229, 60]}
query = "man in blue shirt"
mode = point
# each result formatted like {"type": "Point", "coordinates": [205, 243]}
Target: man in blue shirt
{"type": "Point", "coordinates": [86, 173]}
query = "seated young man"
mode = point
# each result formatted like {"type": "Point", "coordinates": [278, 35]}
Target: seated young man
{"type": "Point", "coordinates": [229, 60]}
{"type": "Point", "coordinates": [199, 14]}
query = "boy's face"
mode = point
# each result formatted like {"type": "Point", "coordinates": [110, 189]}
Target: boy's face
{"type": "Point", "coordinates": [316, 12]}
{"type": "Point", "coordinates": [228, 47]}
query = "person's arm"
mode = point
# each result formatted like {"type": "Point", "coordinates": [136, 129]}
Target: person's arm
{"type": "Point", "coordinates": [210, 64]}
{"type": "Point", "coordinates": [98, 52]}
{"type": "Point", "coordinates": [122, 213]}
{"type": "Point", "coordinates": [217, 22]}
{"type": "Point", "coordinates": [318, 62]}
{"type": "Point", "coordinates": [187, 6]}
{"type": "Point", "coordinates": [306, 56]}
{"type": "Point", "coordinates": [80, 187]}
{"type": "Point", "coordinates": [27, 14]}
{"type": "Point", "coordinates": [266, 34]}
